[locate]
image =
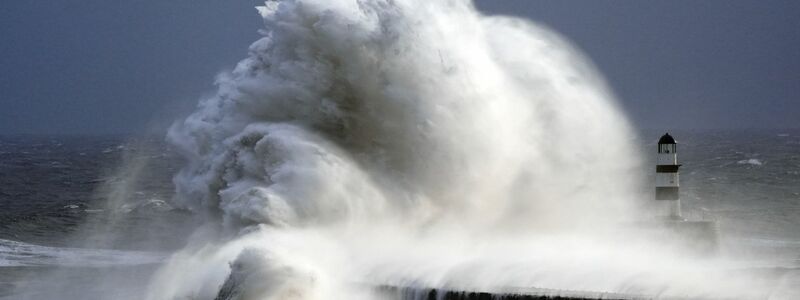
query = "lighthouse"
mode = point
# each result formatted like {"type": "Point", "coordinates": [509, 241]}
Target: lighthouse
{"type": "Point", "coordinates": [690, 236]}
{"type": "Point", "coordinates": [667, 181]}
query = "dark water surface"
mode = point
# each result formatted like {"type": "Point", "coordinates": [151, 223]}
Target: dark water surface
{"type": "Point", "coordinates": [52, 187]}
{"type": "Point", "coordinates": [69, 211]}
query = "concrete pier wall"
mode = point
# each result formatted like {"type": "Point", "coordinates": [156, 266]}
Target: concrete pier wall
{"type": "Point", "coordinates": [405, 293]}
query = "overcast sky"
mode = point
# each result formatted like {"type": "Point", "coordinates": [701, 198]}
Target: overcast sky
{"type": "Point", "coordinates": [98, 66]}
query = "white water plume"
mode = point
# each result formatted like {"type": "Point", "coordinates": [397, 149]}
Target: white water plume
{"type": "Point", "coordinates": [398, 142]}
{"type": "Point", "coordinates": [354, 109]}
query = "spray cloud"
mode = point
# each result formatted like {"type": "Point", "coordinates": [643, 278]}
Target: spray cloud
{"type": "Point", "coordinates": [401, 142]}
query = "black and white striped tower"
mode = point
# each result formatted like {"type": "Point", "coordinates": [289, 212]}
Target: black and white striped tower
{"type": "Point", "coordinates": [667, 178]}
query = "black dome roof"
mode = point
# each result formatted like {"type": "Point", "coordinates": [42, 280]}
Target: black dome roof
{"type": "Point", "coordinates": [666, 139]}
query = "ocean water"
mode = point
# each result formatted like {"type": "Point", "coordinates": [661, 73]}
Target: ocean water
{"type": "Point", "coordinates": [58, 218]}
{"type": "Point", "coordinates": [57, 222]}
{"type": "Point", "coordinates": [55, 186]}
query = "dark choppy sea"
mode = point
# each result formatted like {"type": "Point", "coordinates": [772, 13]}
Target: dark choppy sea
{"type": "Point", "coordinates": [67, 208]}
{"type": "Point", "coordinates": [58, 217]}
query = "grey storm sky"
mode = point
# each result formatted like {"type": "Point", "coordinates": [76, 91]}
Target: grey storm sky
{"type": "Point", "coordinates": [98, 66]}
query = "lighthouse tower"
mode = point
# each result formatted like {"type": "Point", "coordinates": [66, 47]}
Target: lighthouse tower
{"type": "Point", "coordinates": [667, 178]}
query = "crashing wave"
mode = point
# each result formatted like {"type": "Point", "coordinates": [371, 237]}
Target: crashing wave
{"type": "Point", "coordinates": [367, 142]}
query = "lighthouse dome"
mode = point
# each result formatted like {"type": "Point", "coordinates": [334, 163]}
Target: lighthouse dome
{"type": "Point", "coordinates": [666, 139]}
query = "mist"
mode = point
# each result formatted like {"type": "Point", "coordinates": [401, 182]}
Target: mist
{"type": "Point", "coordinates": [375, 143]}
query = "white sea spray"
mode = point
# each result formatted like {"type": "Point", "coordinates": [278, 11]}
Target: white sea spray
{"type": "Point", "coordinates": [414, 143]}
